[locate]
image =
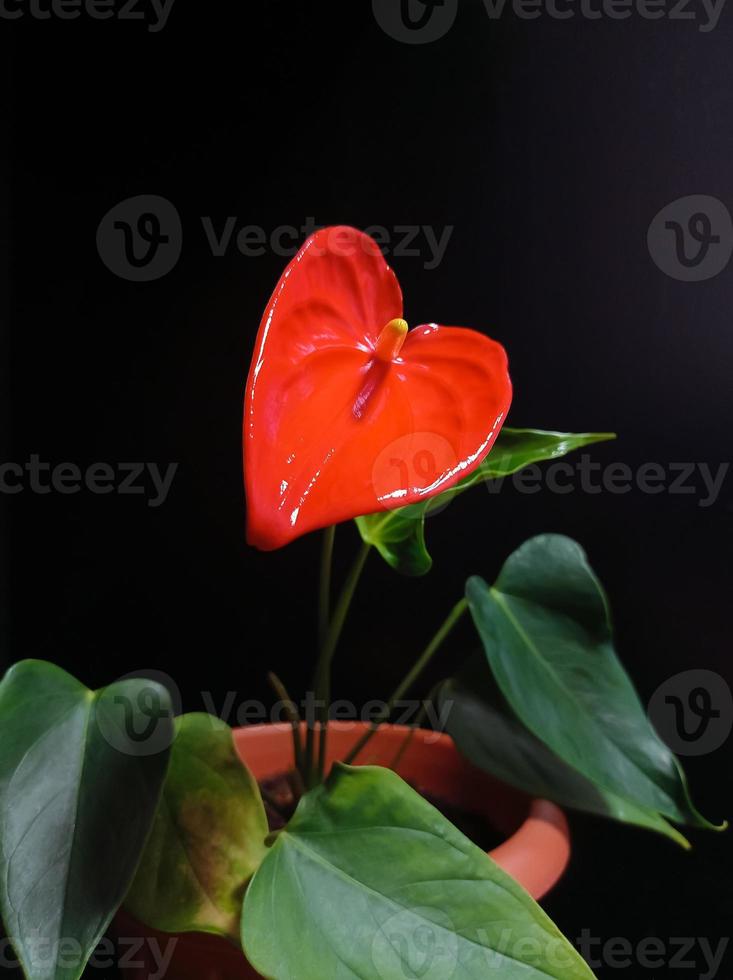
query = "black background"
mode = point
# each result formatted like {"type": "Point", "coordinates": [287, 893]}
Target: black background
{"type": "Point", "coordinates": [549, 146]}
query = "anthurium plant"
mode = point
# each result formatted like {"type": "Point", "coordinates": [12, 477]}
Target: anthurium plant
{"type": "Point", "coordinates": [106, 799]}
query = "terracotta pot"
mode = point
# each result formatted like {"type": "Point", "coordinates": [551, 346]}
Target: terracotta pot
{"type": "Point", "coordinates": [535, 852]}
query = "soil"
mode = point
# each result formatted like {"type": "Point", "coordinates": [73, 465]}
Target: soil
{"type": "Point", "coordinates": [281, 801]}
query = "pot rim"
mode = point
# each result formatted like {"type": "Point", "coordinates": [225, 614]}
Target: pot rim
{"type": "Point", "coordinates": [536, 851]}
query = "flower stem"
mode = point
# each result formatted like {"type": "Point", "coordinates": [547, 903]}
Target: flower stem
{"type": "Point", "coordinates": [324, 618]}
{"type": "Point", "coordinates": [324, 594]}
{"type": "Point", "coordinates": [420, 664]}
{"type": "Point", "coordinates": [293, 717]}
{"type": "Point", "coordinates": [322, 684]}
{"type": "Point", "coordinates": [414, 725]}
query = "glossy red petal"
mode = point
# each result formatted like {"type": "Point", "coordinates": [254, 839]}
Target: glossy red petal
{"type": "Point", "coordinates": [331, 431]}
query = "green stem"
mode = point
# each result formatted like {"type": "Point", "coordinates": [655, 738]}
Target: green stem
{"type": "Point", "coordinates": [310, 741]}
{"type": "Point", "coordinates": [293, 717]}
{"type": "Point", "coordinates": [420, 664]}
{"type": "Point", "coordinates": [324, 594]}
{"type": "Point", "coordinates": [322, 746]}
{"type": "Point", "coordinates": [324, 617]}
{"type": "Point", "coordinates": [414, 725]}
{"type": "Point", "coordinates": [322, 684]}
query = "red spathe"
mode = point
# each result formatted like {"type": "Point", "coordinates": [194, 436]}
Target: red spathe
{"type": "Point", "coordinates": [333, 431]}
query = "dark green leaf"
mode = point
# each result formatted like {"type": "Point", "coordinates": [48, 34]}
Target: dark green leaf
{"type": "Point", "coordinates": [399, 535]}
{"type": "Point", "coordinates": [207, 839]}
{"type": "Point", "coordinates": [546, 630]}
{"type": "Point", "coordinates": [80, 777]}
{"type": "Point", "coordinates": [369, 881]}
{"type": "Point", "coordinates": [490, 735]}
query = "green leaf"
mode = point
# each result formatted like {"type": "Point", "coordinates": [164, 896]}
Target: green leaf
{"type": "Point", "coordinates": [489, 734]}
{"type": "Point", "coordinates": [80, 777]}
{"type": "Point", "coordinates": [207, 839]}
{"type": "Point", "coordinates": [399, 535]}
{"type": "Point", "coordinates": [369, 881]}
{"type": "Point", "coordinates": [545, 627]}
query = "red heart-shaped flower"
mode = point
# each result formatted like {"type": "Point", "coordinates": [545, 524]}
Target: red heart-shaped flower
{"type": "Point", "coordinates": [347, 414]}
